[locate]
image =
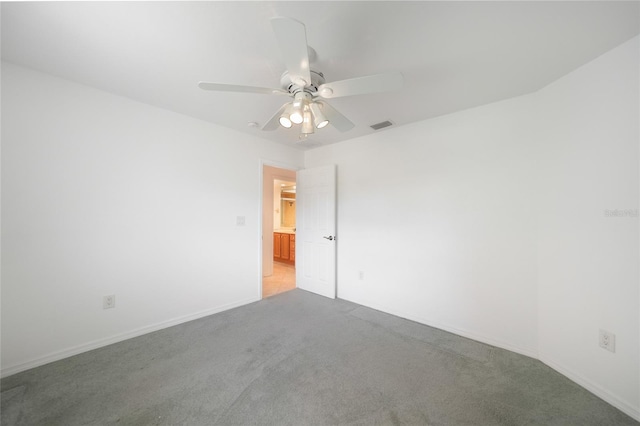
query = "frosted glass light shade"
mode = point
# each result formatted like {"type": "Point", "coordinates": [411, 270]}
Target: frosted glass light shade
{"type": "Point", "coordinates": [307, 123]}
{"type": "Point", "coordinates": [297, 111]}
{"type": "Point", "coordinates": [285, 121]}
{"type": "Point", "coordinates": [318, 117]}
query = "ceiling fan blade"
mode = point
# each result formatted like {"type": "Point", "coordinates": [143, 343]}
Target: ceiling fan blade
{"type": "Point", "coordinates": [243, 89]}
{"type": "Point", "coordinates": [361, 85]}
{"type": "Point", "coordinates": [292, 39]}
{"type": "Point", "coordinates": [336, 119]}
{"type": "Point", "coordinates": [274, 121]}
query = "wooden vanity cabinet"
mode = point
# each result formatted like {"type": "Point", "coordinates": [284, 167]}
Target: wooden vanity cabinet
{"type": "Point", "coordinates": [284, 247]}
{"type": "Point", "coordinates": [276, 245]}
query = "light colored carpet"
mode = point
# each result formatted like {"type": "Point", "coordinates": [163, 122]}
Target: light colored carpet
{"type": "Point", "coordinates": [300, 359]}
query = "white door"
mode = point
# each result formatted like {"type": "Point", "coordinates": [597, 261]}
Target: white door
{"type": "Point", "coordinates": [316, 230]}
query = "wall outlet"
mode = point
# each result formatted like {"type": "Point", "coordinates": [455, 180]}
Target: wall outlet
{"type": "Point", "coordinates": [109, 302]}
{"type": "Point", "coordinates": [361, 275]}
{"type": "Point", "coordinates": [240, 220]}
{"type": "Point", "coordinates": [607, 340]}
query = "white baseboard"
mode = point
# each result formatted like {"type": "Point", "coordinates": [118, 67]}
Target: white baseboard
{"type": "Point", "coordinates": [475, 336]}
{"type": "Point", "coordinates": [623, 406]}
{"type": "Point", "coordinates": [95, 344]}
{"type": "Point", "coordinates": [460, 332]}
{"type": "Point", "coordinates": [607, 396]}
{"type": "Point", "coordinates": [600, 392]}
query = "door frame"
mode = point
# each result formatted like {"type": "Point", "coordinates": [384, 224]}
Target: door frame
{"type": "Point", "coordinates": [281, 165]}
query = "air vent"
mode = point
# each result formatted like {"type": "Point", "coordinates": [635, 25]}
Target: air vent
{"type": "Point", "coordinates": [381, 125]}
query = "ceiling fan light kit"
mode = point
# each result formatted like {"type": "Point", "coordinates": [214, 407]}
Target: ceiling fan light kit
{"type": "Point", "coordinates": [285, 118]}
{"type": "Point", "coordinates": [307, 123]}
{"type": "Point", "coordinates": [298, 107]}
{"type": "Point", "coordinates": [320, 120]}
{"type": "Point", "coordinates": [305, 85]}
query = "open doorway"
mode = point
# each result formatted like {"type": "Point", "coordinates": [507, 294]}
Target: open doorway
{"type": "Point", "coordinates": [279, 231]}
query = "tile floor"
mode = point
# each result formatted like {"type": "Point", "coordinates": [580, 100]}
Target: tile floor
{"type": "Point", "coordinates": [283, 279]}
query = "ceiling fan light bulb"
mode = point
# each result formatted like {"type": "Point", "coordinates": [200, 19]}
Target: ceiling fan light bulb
{"type": "Point", "coordinates": [285, 122]}
{"type": "Point", "coordinates": [318, 117]}
{"type": "Point", "coordinates": [284, 119]}
{"type": "Point", "coordinates": [296, 117]}
{"type": "Point", "coordinates": [297, 111]}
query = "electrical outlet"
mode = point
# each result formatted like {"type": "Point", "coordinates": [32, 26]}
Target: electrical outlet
{"type": "Point", "coordinates": [607, 340]}
{"type": "Point", "coordinates": [240, 220]}
{"type": "Point", "coordinates": [109, 302]}
{"type": "Point", "coordinates": [361, 275]}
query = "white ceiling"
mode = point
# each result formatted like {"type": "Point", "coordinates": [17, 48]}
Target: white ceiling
{"type": "Point", "coordinates": [453, 55]}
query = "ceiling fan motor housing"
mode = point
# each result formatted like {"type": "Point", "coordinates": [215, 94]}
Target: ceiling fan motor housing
{"type": "Point", "coordinates": [317, 79]}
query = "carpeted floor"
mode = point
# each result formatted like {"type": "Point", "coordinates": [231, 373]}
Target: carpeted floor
{"type": "Point", "coordinates": [300, 359]}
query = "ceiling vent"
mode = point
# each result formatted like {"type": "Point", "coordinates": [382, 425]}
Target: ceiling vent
{"type": "Point", "coordinates": [381, 125]}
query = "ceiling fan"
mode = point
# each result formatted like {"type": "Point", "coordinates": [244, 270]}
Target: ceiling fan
{"type": "Point", "coordinates": [308, 87]}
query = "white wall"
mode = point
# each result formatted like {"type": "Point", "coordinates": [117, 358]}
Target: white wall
{"type": "Point", "coordinates": [588, 262]}
{"type": "Point", "coordinates": [103, 195]}
{"type": "Point", "coordinates": [440, 219]}
{"type": "Point", "coordinates": [490, 223]}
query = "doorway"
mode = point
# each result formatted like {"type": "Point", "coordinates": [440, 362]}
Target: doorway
{"type": "Point", "coordinates": [279, 231]}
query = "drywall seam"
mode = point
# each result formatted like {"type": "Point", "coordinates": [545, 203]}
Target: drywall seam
{"type": "Point", "coordinates": [600, 392]}
{"type": "Point", "coordinates": [95, 344]}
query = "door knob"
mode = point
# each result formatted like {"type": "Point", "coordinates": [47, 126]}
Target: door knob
{"type": "Point", "coordinates": [330, 237]}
